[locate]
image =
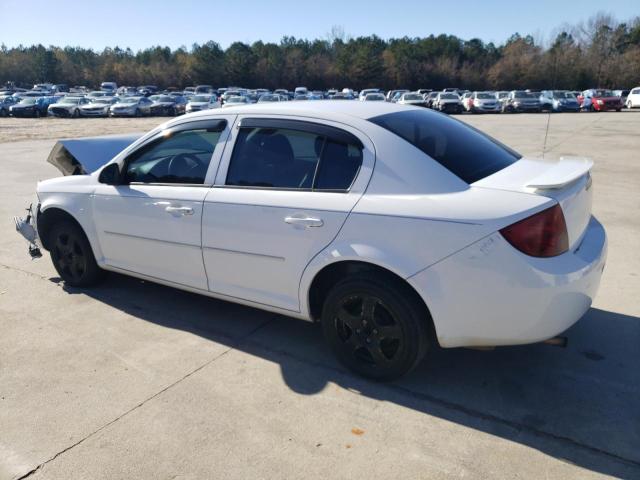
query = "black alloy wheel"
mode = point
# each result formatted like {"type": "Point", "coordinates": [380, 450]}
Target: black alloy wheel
{"type": "Point", "coordinates": [72, 256]}
{"type": "Point", "coordinates": [375, 326]}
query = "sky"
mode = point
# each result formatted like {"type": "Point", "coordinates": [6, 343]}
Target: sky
{"type": "Point", "coordinates": [143, 23]}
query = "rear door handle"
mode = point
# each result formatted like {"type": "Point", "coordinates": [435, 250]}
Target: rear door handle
{"type": "Point", "coordinates": [179, 210]}
{"type": "Point", "coordinates": [304, 221]}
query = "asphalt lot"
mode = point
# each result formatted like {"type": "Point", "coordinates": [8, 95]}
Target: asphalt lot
{"type": "Point", "coordinates": [136, 380]}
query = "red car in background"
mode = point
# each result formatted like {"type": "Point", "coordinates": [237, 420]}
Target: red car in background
{"type": "Point", "coordinates": [599, 100]}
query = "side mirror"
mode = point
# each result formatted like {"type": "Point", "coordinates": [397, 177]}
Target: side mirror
{"type": "Point", "coordinates": [110, 175]}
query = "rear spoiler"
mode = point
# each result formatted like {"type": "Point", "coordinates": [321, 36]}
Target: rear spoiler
{"type": "Point", "coordinates": [83, 156]}
{"type": "Point", "coordinates": [567, 170]}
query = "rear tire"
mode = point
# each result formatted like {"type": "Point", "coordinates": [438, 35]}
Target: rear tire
{"type": "Point", "coordinates": [375, 326]}
{"type": "Point", "coordinates": [72, 255]}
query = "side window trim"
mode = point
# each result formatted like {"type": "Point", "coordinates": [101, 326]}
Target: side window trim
{"type": "Point", "coordinates": [332, 133]}
{"type": "Point", "coordinates": [209, 125]}
{"type": "Point", "coordinates": [329, 133]}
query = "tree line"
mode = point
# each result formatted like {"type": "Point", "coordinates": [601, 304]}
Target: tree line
{"type": "Point", "coordinates": [600, 52]}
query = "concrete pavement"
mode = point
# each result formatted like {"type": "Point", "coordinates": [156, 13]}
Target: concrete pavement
{"type": "Point", "coordinates": [137, 380]}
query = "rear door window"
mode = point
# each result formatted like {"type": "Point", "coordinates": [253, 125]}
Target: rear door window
{"type": "Point", "coordinates": [466, 152]}
{"type": "Point", "coordinates": [293, 155]}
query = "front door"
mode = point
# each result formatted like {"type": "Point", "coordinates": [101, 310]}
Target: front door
{"type": "Point", "coordinates": [281, 195]}
{"type": "Point", "coordinates": [150, 223]}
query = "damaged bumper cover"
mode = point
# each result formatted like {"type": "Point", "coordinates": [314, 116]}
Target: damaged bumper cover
{"type": "Point", "coordinates": [25, 226]}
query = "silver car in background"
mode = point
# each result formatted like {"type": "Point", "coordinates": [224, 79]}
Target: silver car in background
{"type": "Point", "coordinates": [484, 102]}
{"type": "Point", "coordinates": [131, 107]}
{"type": "Point", "coordinates": [374, 97]}
{"type": "Point", "coordinates": [68, 106]}
{"type": "Point", "coordinates": [99, 107]}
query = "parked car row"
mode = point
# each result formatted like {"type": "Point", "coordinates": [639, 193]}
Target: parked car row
{"type": "Point", "coordinates": [112, 100]}
{"type": "Point", "coordinates": [516, 101]}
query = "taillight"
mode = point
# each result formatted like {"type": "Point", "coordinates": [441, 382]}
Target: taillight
{"type": "Point", "coordinates": [541, 235]}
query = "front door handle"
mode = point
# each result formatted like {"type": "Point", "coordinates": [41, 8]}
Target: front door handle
{"type": "Point", "coordinates": [304, 221]}
{"type": "Point", "coordinates": [179, 210]}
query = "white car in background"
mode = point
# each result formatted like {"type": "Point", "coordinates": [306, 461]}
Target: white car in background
{"type": "Point", "coordinates": [202, 102]}
{"type": "Point", "coordinates": [365, 91]}
{"type": "Point", "coordinates": [633, 99]}
{"type": "Point", "coordinates": [412, 98]}
{"type": "Point", "coordinates": [394, 227]}
{"type": "Point", "coordinates": [236, 100]}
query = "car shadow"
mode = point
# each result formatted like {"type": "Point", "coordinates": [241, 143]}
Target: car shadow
{"type": "Point", "coordinates": [580, 404]}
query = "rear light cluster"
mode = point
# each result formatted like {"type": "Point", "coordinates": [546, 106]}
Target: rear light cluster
{"type": "Point", "coordinates": [541, 235]}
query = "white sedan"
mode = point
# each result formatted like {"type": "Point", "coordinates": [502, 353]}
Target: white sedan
{"type": "Point", "coordinates": [394, 227]}
{"type": "Point", "coordinates": [633, 99]}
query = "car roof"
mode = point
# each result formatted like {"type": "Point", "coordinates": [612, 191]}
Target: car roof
{"type": "Point", "coordinates": [321, 109]}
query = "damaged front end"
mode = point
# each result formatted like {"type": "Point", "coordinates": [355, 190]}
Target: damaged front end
{"type": "Point", "coordinates": [81, 156]}
{"type": "Point", "coordinates": [26, 227]}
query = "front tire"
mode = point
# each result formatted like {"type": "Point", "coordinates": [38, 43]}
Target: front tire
{"type": "Point", "coordinates": [375, 326]}
{"type": "Point", "coordinates": [72, 255]}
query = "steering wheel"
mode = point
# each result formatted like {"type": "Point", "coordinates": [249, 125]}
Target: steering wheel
{"type": "Point", "coordinates": [182, 163]}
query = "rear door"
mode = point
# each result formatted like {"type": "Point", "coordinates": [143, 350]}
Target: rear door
{"type": "Point", "coordinates": [281, 195]}
{"type": "Point", "coordinates": [151, 222]}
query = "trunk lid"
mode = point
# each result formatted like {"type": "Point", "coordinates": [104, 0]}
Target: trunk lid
{"type": "Point", "coordinates": [568, 181]}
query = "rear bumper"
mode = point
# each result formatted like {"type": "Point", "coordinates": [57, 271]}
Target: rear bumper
{"type": "Point", "coordinates": [567, 108]}
{"type": "Point", "coordinates": [606, 108]}
{"type": "Point", "coordinates": [485, 109]}
{"type": "Point", "coordinates": [490, 294]}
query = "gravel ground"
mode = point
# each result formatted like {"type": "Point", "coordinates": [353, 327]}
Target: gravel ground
{"type": "Point", "coordinates": [20, 129]}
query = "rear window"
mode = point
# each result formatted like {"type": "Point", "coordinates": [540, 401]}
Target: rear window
{"type": "Point", "coordinates": [464, 151]}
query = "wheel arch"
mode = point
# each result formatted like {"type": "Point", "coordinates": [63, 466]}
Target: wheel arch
{"type": "Point", "coordinates": [328, 275]}
{"type": "Point", "coordinates": [47, 218]}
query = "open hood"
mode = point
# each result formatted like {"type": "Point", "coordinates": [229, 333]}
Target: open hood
{"type": "Point", "coordinates": [82, 156]}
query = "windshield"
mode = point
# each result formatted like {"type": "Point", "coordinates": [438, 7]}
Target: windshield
{"type": "Point", "coordinates": [449, 96]}
{"type": "Point", "coordinates": [235, 100]}
{"type": "Point", "coordinates": [69, 100]}
{"type": "Point", "coordinates": [200, 98]}
{"type": "Point", "coordinates": [486, 96]}
{"type": "Point", "coordinates": [413, 96]}
{"type": "Point", "coordinates": [29, 100]}
{"type": "Point", "coordinates": [603, 93]}
{"type": "Point", "coordinates": [102, 100]}
{"type": "Point", "coordinates": [521, 94]}
{"type": "Point", "coordinates": [464, 151]}
{"type": "Point", "coordinates": [161, 98]}
{"type": "Point", "coordinates": [129, 100]}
